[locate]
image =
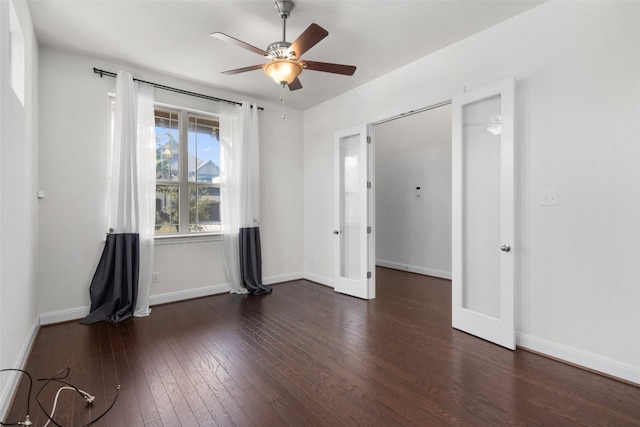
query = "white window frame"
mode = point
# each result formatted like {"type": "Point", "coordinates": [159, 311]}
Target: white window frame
{"type": "Point", "coordinates": [183, 182]}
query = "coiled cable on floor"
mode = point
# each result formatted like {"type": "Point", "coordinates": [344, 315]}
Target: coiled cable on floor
{"type": "Point", "coordinates": [26, 422]}
{"type": "Point", "coordinates": [60, 377]}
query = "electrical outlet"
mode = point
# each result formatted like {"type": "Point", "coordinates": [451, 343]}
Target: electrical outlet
{"type": "Point", "coordinates": [155, 278]}
{"type": "Point", "coordinates": [550, 198]}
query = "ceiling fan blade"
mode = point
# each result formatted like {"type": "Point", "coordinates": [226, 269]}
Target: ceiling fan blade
{"type": "Point", "coordinates": [308, 39]}
{"type": "Point", "coordinates": [239, 43]}
{"type": "Point", "coordinates": [243, 69]}
{"type": "Point", "coordinates": [295, 85]}
{"type": "Point", "coordinates": [328, 67]}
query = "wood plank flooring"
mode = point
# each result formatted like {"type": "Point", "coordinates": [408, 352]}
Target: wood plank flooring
{"type": "Point", "coordinates": [306, 356]}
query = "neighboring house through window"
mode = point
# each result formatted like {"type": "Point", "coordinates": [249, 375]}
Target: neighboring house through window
{"type": "Point", "coordinates": [187, 172]}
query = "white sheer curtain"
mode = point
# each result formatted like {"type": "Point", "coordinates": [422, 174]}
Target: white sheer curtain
{"type": "Point", "coordinates": [239, 182]}
{"type": "Point", "coordinates": [120, 285]}
{"type": "Point", "coordinates": [146, 194]}
{"type": "Point", "coordinates": [122, 202]}
{"type": "Point", "coordinates": [230, 194]}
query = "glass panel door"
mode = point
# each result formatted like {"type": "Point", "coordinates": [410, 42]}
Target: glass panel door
{"type": "Point", "coordinates": [351, 204]}
{"type": "Point", "coordinates": [349, 233]}
{"type": "Point", "coordinates": [483, 238]}
{"type": "Point", "coordinates": [481, 207]}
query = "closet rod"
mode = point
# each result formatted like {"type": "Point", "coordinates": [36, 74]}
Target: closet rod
{"type": "Point", "coordinates": [169, 88]}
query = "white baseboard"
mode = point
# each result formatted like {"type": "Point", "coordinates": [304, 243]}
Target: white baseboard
{"type": "Point", "coordinates": [414, 269]}
{"type": "Point", "coordinates": [582, 358]}
{"type": "Point", "coordinates": [189, 294]}
{"type": "Point", "coordinates": [14, 377]}
{"type": "Point", "coordinates": [215, 289]}
{"type": "Point", "coordinates": [323, 280]}
{"type": "Point", "coordinates": [64, 315]}
{"type": "Point", "coordinates": [81, 312]}
{"type": "Point", "coordinates": [272, 280]}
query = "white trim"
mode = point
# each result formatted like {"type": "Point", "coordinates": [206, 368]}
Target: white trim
{"type": "Point", "coordinates": [64, 315]}
{"type": "Point", "coordinates": [273, 280]}
{"type": "Point", "coordinates": [582, 358]}
{"type": "Point", "coordinates": [408, 109]}
{"type": "Point", "coordinates": [395, 112]}
{"type": "Point", "coordinates": [189, 294]}
{"type": "Point", "coordinates": [177, 239]}
{"type": "Point", "coordinates": [81, 312]}
{"type": "Point", "coordinates": [414, 269]}
{"type": "Point", "coordinates": [187, 109]}
{"type": "Point", "coordinates": [322, 280]}
{"type": "Point", "coordinates": [371, 210]}
{"type": "Point", "coordinates": [14, 377]}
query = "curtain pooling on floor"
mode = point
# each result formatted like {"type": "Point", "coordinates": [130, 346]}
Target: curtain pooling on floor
{"type": "Point", "coordinates": [114, 287]}
{"type": "Point", "coordinates": [251, 261]}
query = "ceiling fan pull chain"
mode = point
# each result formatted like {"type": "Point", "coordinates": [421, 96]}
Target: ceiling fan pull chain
{"type": "Point", "coordinates": [282, 100]}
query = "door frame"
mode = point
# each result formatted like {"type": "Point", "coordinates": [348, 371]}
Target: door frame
{"type": "Point", "coordinates": [396, 113]}
{"type": "Point", "coordinates": [389, 115]}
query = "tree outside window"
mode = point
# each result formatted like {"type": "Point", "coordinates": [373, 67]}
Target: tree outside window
{"type": "Point", "coordinates": [187, 173]}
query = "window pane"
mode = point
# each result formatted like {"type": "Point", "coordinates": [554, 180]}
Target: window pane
{"type": "Point", "coordinates": [167, 145]}
{"type": "Point", "coordinates": [204, 208]}
{"type": "Point", "coordinates": [204, 150]}
{"type": "Point", "coordinates": [167, 208]}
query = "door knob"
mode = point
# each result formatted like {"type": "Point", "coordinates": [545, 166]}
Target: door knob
{"type": "Point", "coordinates": [336, 232]}
{"type": "Point", "coordinates": [505, 248]}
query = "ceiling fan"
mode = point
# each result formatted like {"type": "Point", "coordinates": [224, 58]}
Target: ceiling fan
{"type": "Point", "coordinates": [286, 65]}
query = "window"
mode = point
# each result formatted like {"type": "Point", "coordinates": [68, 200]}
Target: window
{"type": "Point", "coordinates": [17, 55]}
{"type": "Point", "coordinates": [187, 172]}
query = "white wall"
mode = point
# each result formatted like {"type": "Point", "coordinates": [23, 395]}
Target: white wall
{"type": "Point", "coordinates": [73, 155]}
{"type": "Point", "coordinates": [577, 67]}
{"type": "Point", "coordinates": [413, 232]}
{"type": "Point", "coordinates": [18, 203]}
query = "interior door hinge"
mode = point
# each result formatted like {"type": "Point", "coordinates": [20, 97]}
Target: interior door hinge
{"type": "Point", "coordinates": [368, 275]}
{"type": "Point", "coordinates": [369, 229]}
{"type": "Point", "coordinates": [368, 140]}
{"type": "Point", "coordinates": [368, 184]}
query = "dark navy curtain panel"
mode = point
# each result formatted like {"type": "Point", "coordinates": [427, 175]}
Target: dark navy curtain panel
{"type": "Point", "coordinates": [114, 288]}
{"type": "Point", "coordinates": [251, 261]}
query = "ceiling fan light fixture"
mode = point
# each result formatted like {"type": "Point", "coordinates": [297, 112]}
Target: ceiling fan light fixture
{"type": "Point", "coordinates": [286, 65]}
{"type": "Point", "coordinates": [283, 71]}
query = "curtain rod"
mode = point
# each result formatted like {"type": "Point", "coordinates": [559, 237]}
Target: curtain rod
{"type": "Point", "coordinates": [169, 88]}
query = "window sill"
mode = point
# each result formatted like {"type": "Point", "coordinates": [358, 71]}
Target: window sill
{"type": "Point", "coordinates": [178, 239]}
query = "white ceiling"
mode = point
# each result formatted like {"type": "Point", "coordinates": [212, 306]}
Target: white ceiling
{"type": "Point", "coordinates": [172, 36]}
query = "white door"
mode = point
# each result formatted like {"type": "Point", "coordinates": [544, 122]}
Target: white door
{"type": "Point", "coordinates": [351, 234]}
{"type": "Point", "coordinates": [483, 236]}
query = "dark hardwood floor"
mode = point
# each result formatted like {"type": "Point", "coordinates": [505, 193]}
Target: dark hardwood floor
{"type": "Point", "coordinates": [306, 356]}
